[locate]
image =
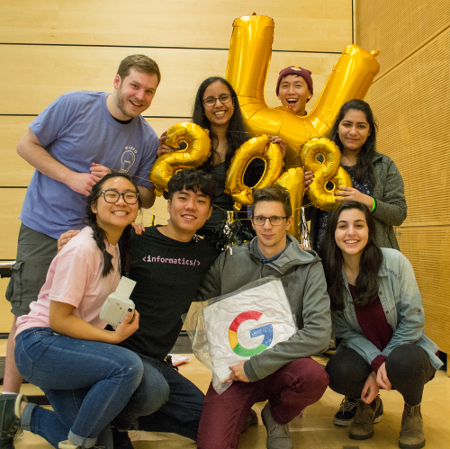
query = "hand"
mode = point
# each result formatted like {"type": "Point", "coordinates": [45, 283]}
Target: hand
{"type": "Point", "coordinates": [127, 327]}
{"type": "Point", "coordinates": [371, 389]}
{"type": "Point", "coordinates": [65, 238]}
{"type": "Point", "coordinates": [350, 193]}
{"type": "Point", "coordinates": [99, 171]}
{"type": "Point", "coordinates": [163, 148]}
{"type": "Point", "coordinates": [278, 140]}
{"type": "Point", "coordinates": [238, 373]}
{"type": "Point", "coordinates": [81, 183]}
{"type": "Point", "coordinates": [139, 228]}
{"type": "Point", "coordinates": [382, 378]}
{"type": "Point", "coordinates": [309, 175]}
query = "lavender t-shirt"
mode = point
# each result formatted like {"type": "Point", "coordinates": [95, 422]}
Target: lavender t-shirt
{"type": "Point", "coordinates": [77, 130]}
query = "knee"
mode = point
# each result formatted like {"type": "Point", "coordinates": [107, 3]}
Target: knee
{"type": "Point", "coordinates": [405, 361]}
{"type": "Point", "coordinates": [151, 395]}
{"type": "Point", "coordinates": [309, 376]}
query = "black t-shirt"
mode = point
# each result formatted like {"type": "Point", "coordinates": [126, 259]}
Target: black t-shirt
{"type": "Point", "coordinates": [167, 274]}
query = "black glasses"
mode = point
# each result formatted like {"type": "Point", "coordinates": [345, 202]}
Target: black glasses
{"type": "Point", "coordinates": [112, 196]}
{"type": "Point", "coordinates": [274, 221]}
{"type": "Point", "coordinates": [211, 101]}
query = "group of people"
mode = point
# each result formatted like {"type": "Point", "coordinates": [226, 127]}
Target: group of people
{"type": "Point", "coordinates": [102, 382]}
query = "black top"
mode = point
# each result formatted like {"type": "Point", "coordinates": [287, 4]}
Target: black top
{"type": "Point", "coordinates": [167, 274]}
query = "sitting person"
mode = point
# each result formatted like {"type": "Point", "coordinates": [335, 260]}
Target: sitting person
{"type": "Point", "coordinates": [377, 311]}
{"type": "Point", "coordinates": [168, 263]}
{"type": "Point", "coordinates": [285, 374]}
{"type": "Point", "coordinates": [295, 88]}
{"type": "Point", "coordinates": [62, 345]}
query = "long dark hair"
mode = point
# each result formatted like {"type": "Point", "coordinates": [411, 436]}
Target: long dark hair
{"type": "Point", "coordinates": [99, 233]}
{"type": "Point", "coordinates": [333, 262]}
{"type": "Point", "coordinates": [364, 165]}
{"type": "Point", "coordinates": [236, 134]}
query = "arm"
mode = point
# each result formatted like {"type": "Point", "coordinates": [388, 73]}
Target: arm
{"type": "Point", "coordinates": [391, 207]}
{"type": "Point", "coordinates": [310, 339]}
{"type": "Point", "coordinates": [147, 195]}
{"type": "Point", "coordinates": [36, 155]}
{"type": "Point", "coordinates": [64, 322]}
{"type": "Point", "coordinates": [210, 286]}
{"type": "Point", "coordinates": [410, 314]}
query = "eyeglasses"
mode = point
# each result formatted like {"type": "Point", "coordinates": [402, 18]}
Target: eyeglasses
{"type": "Point", "coordinates": [274, 221]}
{"type": "Point", "coordinates": [211, 101]}
{"type": "Point", "coordinates": [112, 196]}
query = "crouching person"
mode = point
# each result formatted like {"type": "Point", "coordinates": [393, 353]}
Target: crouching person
{"type": "Point", "coordinates": [285, 375]}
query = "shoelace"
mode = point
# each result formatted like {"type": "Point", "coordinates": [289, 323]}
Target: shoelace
{"type": "Point", "coordinates": [346, 406]}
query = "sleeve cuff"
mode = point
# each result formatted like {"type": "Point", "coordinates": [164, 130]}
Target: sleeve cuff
{"type": "Point", "coordinates": [377, 362]}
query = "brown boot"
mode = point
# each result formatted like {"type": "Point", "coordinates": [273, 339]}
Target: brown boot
{"type": "Point", "coordinates": [411, 432]}
{"type": "Point", "coordinates": [362, 426]}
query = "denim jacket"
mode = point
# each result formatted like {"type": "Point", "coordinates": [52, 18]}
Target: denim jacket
{"type": "Point", "coordinates": [402, 303]}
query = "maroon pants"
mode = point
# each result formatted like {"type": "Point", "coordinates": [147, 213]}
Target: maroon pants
{"type": "Point", "coordinates": [289, 390]}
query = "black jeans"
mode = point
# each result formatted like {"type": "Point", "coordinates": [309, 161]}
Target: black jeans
{"type": "Point", "coordinates": [407, 366]}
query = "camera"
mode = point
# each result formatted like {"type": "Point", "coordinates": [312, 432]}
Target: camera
{"type": "Point", "coordinates": [118, 304]}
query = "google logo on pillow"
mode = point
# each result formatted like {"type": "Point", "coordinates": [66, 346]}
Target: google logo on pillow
{"type": "Point", "coordinates": [266, 330]}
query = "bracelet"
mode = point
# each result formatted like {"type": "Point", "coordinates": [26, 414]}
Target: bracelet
{"type": "Point", "coordinates": [374, 205]}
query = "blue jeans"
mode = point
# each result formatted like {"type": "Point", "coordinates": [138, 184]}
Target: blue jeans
{"type": "Point", "coordinates": [165, 401]}
{"type": "Point", "coordinates": [87, 383]}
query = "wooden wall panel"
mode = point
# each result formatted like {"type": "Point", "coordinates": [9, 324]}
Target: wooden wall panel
{"type": "Point", "coordinates": [320, 26]}
{"type": "Point", "coordinates": [427, 252]}
{"type": "Point", "coordinates": [399, 28]}
{"type": "Point", "coordinates": [409, 98]}
{"type": "Point", "coordinates": [56, 70]}
{"type": "Point", "coordinates": [416, 134]}
{"type": "Point", "coordinates": [12, 200]}
{"type": "Point", "coordinates": [14, 171]}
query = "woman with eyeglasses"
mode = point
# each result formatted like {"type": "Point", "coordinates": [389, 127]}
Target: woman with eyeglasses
{"type": "Point", "coordinates": [62, 345]}
{"type": "Point", "coordinates": [377, 311]}
{"type": "Point", "coordinates": [216, 108]}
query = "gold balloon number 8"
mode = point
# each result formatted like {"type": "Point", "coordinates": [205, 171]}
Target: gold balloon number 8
{"type": "Point", "coordinates": [322, 156]}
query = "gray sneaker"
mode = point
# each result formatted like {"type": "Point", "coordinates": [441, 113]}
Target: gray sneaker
{"type": "Point", "coordinates": [278, 436]}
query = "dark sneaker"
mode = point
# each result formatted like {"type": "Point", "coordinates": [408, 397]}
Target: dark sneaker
{"type": "Point", "coordinates": [251, 420]}
{"type": "Point", "coordinates": [121, 439]}
{"type": "Point", "coordinates": [9, 418]}
{"type": "Point", "coordinates": [347, 409]}
{"type": "Point", "coordinates": [278, 436]}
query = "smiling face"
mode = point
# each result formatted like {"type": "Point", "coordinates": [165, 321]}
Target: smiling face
{"type": "Point", "coordinates": [354, 130]}
{"type": "Point", "coordinates": [132, 95]}
{"type": "Point", "coordinates": [188, 212]}
{"type": "Point", "coordinates": [271, 239]}
{"type": "Point", "coordinates": [218, 114]}
{"type": "Point", "coordinates": [294, 93]}
{"type": "Point", "coordinates": [113, 218]}
{"type": "Point", "coordinates": [351, 233]}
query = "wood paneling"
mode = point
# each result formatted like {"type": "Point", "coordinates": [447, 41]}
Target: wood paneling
{"type": "Point", "coordinates": [12, 200]}
{"type": "Point", "coordinates": [427, 250]}
{"type": "Point", "coordinates": [14, 171]}
{"type": "Point", "coordinates": [409, 98]}
{"type": "Point", "coordinates": [414, 129]}
{"type": "Point", "coordinates": [320, 26]}
{"type": "Point", "coordinates": [399, 28]}
{"type": "Point", "coordinates": [56, 70]}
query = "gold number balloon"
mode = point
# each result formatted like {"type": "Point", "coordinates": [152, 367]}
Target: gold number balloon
{"type": "Point", "coordinates": [322, 156]}
{"type": "Point", "coordinates": [198, 148]}
{"type": "Point", "coordinates": [292, 180]}
{"type": "Point", "coordinates": [257, 147]}
{"type": "Point", "coordinates": [248, 64]}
